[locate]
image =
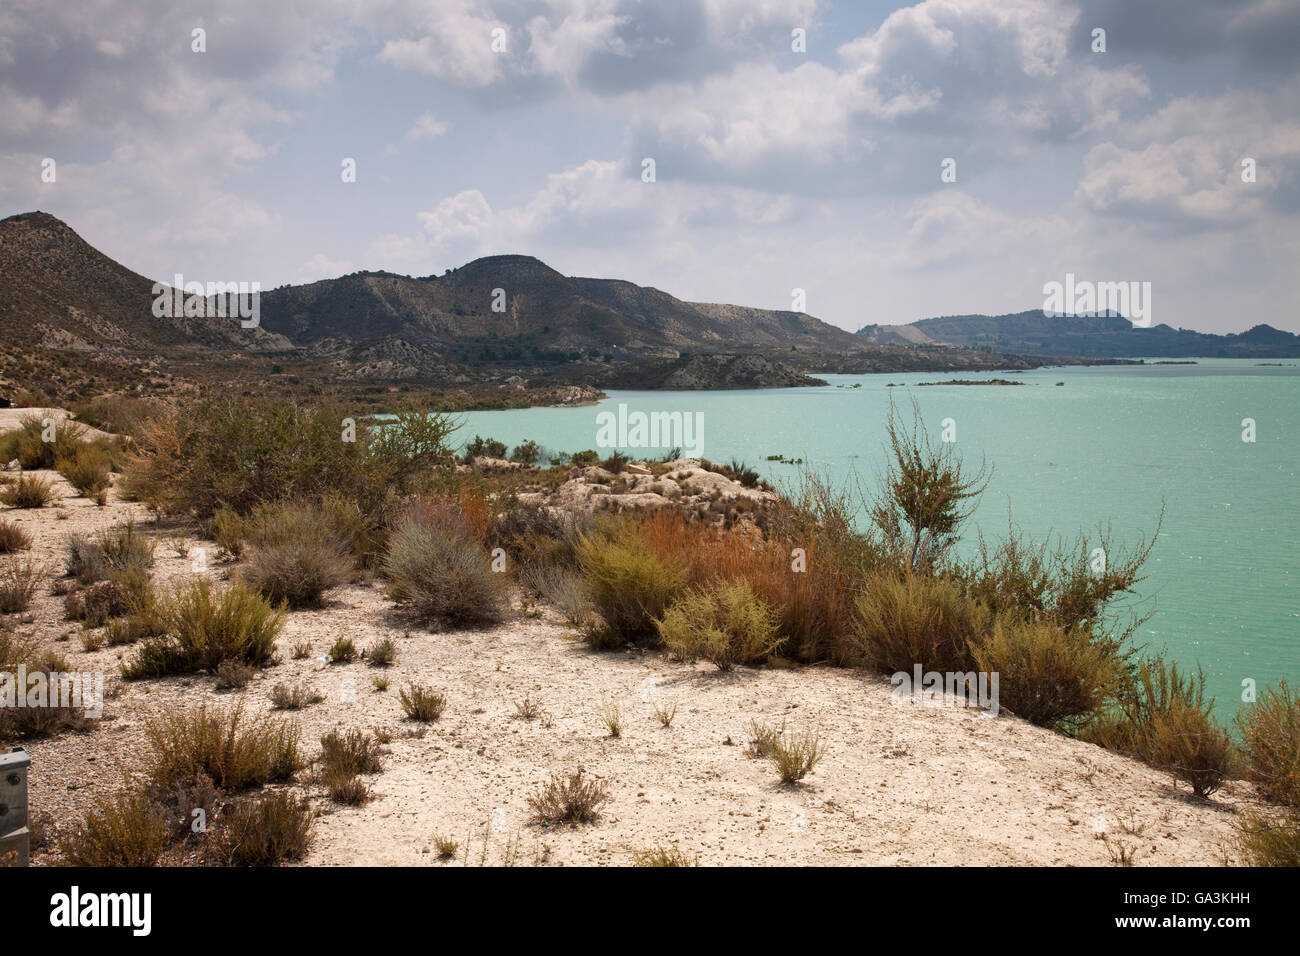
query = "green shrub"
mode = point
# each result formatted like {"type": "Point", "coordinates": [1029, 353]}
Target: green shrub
{"type": "Point", "coordinates": [383, 653]}
{"type": "Point", "coordinates": [630, 588]}
{"type": "Point", "coordinates": [484, 448]}
{"type": "Point", "coordinates": [910, 619]}
{"type": "Point", "coordinates": [296, 554]}
{"type": "Point", "coordinates": [1270, 738]}
{"type": "Point", "coordinates": [725, 625]}
{"type": "Point", "coordinates": [27, 442]}
{"type": "Point", "coordinates": [1161, 716]}
{"type": "Point", "coordinates": [343, 651]}
{"type": "Point", "coordinates": [526, 453]}
{"type": "Point", "coordinates": [236, 753]}
{"type": "Point", "coordinates": [86, 468]}
{"type": "Point", "coordinates": [28, 491]}
{"type": "Point", "coordinates": [1271, 839]}
{"type": "Point", "coordinates": [242, 452]}
{"type": "Point", "coordinates": [124, 547]}
{"type": "Point", "coordinates": [227, 530]}
{"type": "Point", "coordinates": [422, 703]}
{"type": "Point", "coordinates": [122, 829]}
{"type": "Point", "coordinates": [205, 627]}
{"type": "Point", "coordinates": [436, 564]}
{"type": "Point", "coordinates": [1047, 676]}
{"type": "Point", "coordinates": [262, 830]}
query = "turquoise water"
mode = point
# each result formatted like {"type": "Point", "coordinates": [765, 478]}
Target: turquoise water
{"type": "Point", "coordinates": [1108, 447]}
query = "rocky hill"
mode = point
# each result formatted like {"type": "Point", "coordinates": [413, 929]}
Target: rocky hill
{"type": "Point", "coordinates": [1109, 336]}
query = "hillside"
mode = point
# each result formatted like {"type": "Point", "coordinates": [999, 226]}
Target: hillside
{"type": "Point", "coordinates": [1109, 336]}
{"type": "Point", "coordinates": [74, 324]}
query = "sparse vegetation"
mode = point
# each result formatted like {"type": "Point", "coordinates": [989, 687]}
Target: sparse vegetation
{"type": "Point", "coordinates": [421, 702]}
{"type": "Point", "coordinates": [204, 627]}
{"type": "Point", "coordinates": [725, 625]}
{"type": "Point", "coordinates": [13, 538]}
{"type": "Point", "coordinates": [437, 563]}
{"type": "Point", "coordinates": [236, 752]}
{"type": "Point", "coordinates": [27, 491]}
{"type": "Point", "coordinates": [571, 799]}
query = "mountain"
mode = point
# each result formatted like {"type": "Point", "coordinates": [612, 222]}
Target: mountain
{"type": "Point", "coordinates": [1112, 336]}
{"type": "Point", "coordinates": [74, 324]}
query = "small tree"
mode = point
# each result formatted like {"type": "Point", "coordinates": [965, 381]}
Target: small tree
{"type": "Point", "coordinates": [926, 496]}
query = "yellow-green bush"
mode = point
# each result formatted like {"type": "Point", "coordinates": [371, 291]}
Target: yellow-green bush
{"type": "Point", "coordinates": [631, 588]}
{"type": "Point", "coordinates": [1270, 738]}
{"type": "Point", "coordinates": [1046, 675]}
{"type": "Point", "coordinates": [909, 619]}
{"type": "Point", "coordinates": [726, 625]}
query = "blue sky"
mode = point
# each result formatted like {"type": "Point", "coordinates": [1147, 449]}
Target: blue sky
{"type": "Point", "coordinates": [775, 170]}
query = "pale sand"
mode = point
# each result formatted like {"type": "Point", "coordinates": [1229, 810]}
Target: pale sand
{"type": "Point", "coordinates": [11, 419]}
{"type": "Point", "coordinates": [898, 785]}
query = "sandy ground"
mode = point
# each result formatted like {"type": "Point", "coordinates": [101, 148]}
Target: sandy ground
{"type": "Point", "coordinates": [12, 418]}
{"type": "Point", "coordinates": [898, 785]}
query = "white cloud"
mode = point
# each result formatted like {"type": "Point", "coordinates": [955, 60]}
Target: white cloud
{"type": "Point", "coordinates": [427, 126]}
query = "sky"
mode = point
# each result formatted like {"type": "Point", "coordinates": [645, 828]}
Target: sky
{"type": "Point", "coordinates": [524, 126]}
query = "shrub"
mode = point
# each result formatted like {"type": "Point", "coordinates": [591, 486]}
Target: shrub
{"type": "Point", "coordinates": [17, 723]}
{"type": "Point", "coordinates": [1271, 840]}
{"type": "Point", "coordinates": [422, 703]}
{"type": "Point", "coordinates": [526, 453]}
{"type": "Point", "coordinates": [630, 587]}
{"type": "Point", "coordinates": [13, 538]}
{"type": "Point", "coordinates": [233, 675]}
{"type": "Point", "coordinates": [382, 654]}
{"type": "Point", "coordinates": [125, 547]}
{"type": "Point", "coordinates": [294, 698]}
{"type": "Point", "coordinates": [725, 625]}
{"type": "Point", "coordinates": [1162, 717]}
{"type": "Point", "coordinates": [28, 491]}
{"type": "Point", "coordinates": [910, 619]}
{"type": "Point", "coordinates": [1045, 675]}
{"type": "Point", "coordinates": [227, 530]}
{"type": "Point", "coordinates": [350, 791]}
{"type": "Point", "coordinates": [234, 752]}
{"type": "Point", "coordinates": [27, 442]}
{"type": "Point", "coordinates": [572, 799]}
{"type": "Point", "coordinates": [95, 604]}
{"type": "Point", "coordinates": [611, 715]}
{"type": "Point", "coordinates": [121, 829]}
{"type": "Point", "coordinates": [436, 564]}
{"type": "Point", "coordinates": [349, 754]}
{"type": "Point", "coordinates": [263, 830]}
{"type": "Point", "coordinates": [484, 448]}
{"type": "Point", "coordinates": [249, 450]}
{"type": "Point", "coordinates": [794, 754]}
{"type": "Point", "coordinates": [86, 468]}
{"type": "Point", "coordinates": [296, 554]}
{"type": "Point", "coordinates": [1270, 738]}
{"type": "Point", "coordinates": [663, 856]}
{"type": "Point", "coordinates": [343, 651]}
{"type": "Point", "coordinates": [588, 456]}
{"type": "Point", "coordinates": [563, 589]}
{"type": "Point", "coordinates": [19, 579]}
{"type": "Point", "coordinates": [85, 560]}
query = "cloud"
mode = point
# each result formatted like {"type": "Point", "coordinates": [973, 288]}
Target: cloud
{"type": "Point", "coordinates": [1181, 167]}
{"type": "Point", "coordinates": [426, 127]}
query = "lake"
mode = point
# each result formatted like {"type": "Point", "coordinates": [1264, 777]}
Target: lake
{"type": "Point", "coordinates": [1107, 447]}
